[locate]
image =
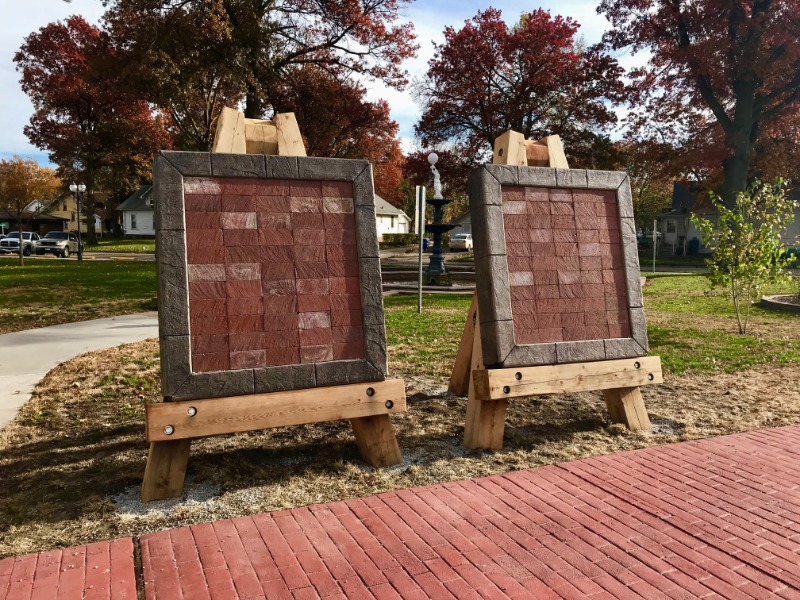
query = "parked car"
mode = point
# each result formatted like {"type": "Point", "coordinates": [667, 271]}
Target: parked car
{"type": "Point", "coordinates": [461, 242]}
{"type": "Point", "coordinates": [10, 243]}
{"type": "Point", "coordinates": [59, 243]}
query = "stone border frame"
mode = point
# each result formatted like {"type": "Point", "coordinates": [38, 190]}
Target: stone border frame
{"type": "Point", "coordinates": [491, 267]}
{"type": "Point", "coordinates": [178, 382]}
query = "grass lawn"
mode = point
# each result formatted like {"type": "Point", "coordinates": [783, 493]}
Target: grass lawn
{"type": "Point", "coordinates": [72, 460]}
{"type": "Point", "coordinates": [45, 293]}
{"type": "Point", "coordinates": [116, 245]}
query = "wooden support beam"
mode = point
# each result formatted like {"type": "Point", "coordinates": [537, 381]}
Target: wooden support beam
{"type": "Point", "coordinates": [290, 142]}
{"type": "Point", "coordinates": [230, 137]}
{"type": "Point", "coordinates": [165, 470]}
{"type": "Point", "coordinates": [537, 153]}
{"type": "Point", "coordinates": [261, 136]}
{"type": "Point", "coordinates": [626, 406]}
{"type": "Point", "coordinates": [509, 149]}
{"type": "Point", "coordinates": [502, 384]}
{"type": "Point", "coordinates": [486, 420]}
{"type": "Point", "coordinates": [459, 380]}
{"type": "Point", "coordinates": [200, 418]}
{"type": "Point", "coordinates": [376, 441]}
{"type": "Point", "coordinates": [555, 152]}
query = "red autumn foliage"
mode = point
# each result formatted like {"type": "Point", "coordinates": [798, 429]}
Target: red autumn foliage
{"type": "Point", "coordinates": [533, 77]}
{"type": "Point", "coordinates": [722, 80]}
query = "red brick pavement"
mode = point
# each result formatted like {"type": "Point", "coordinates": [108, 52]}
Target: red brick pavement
{"type": "Point", "coordinates": [98, 571]}
{"type": "Point", "coordinates": [717, 518]}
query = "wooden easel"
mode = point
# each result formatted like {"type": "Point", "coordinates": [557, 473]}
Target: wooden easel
{"type": "Point", "coordinates": [488, 390]}
{"type": "Point", "coordinates": [171, 426]}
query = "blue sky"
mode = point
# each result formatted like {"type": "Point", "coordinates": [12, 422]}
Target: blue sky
{"type": "Point", "coordinates": [429, 18]}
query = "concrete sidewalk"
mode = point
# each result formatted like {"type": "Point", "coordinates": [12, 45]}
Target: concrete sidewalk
{"type": "Point", "coordinates": [27, 356]}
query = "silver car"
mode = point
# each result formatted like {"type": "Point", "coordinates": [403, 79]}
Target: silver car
{"type": "Point", "coordinates": [59, 243]}
{"type": "Point", "coordinates": [10, 243]}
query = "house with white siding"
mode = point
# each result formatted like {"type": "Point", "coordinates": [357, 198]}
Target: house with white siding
{"type": "Point", "coordinates": [390, 219]}
{"type": "Point", "coordinates": [137, 214]}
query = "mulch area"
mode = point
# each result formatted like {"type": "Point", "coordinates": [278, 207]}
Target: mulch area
{"type": "Point", "coordinates": [710, 518]}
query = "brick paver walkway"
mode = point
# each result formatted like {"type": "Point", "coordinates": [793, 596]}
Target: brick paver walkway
{"type": "Point", "coordinates": [95, 572]}
{"type": "Point", "coordinates": [717, 518]}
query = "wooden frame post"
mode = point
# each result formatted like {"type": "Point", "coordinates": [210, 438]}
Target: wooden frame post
{"type": "Point", "coordinates": [165, 470]}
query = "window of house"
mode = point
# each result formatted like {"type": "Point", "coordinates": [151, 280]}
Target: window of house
{"type": "Point", "coordinates": [671, 226]}
{"type": "Point", "coordinates": [65, 207]}
{"type": "Point", "coordinates": [72, 217]}
{"type": "Point", "coordinates": [133, 221]}
{"type": "Point", "coordinates": [391, 222]}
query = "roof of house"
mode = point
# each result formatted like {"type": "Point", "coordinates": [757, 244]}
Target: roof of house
{"type": "Point", "coordinates": [465, 217]}
{"type": "Point", "coordinates": [382, 207]}
{"type": "Point", "coordinates": [138, 200]}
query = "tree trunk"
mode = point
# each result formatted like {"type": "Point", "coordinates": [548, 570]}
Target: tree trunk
{"type": "Point", "coordinates": [19, 228]}
{"type": "Point", "coordinates": [739, 139]}
{"type": "Point", "coordinates": [735, 169]}
{"type": "Point", "coordinates": [253, 104]}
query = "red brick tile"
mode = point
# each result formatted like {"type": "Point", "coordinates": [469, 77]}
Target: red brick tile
{"type": "Point", "coordinates": [525, 321]}
{"type": "Point", "coordinates": [619, 330]}
{"type": "Point", "coordinates": [615, 303]}
{"type": "Point", "coordinates": [352, 333]}
{"type": "Point", "coordinates": [244, 254]}
{"type": "Point", "coordinates": [286, 338]}
{"type": "Point", "coordinates": [517, 236]}
{"type": "Point", "coordinates": [314, 320]}
{"type": "Point", "coordinates": [271, 221]}
{"type": "Point", "coordinates": [520, 278]}
{"type": "Point", "coordinates": [565, 236]}
{"type": "Point", "coordinates": [275, 237]}
{"type": "Point", "coordinates": [203, 237]}
{"type": "Point", "coordinates": [272, 204]}
{"type": "Point", "coordinates": [560, 195]}
{"type": "Point", "coordinates": [595, 318]}
{"type": "Point", "coordinates": [313, 286]}
{"type": "Point", "coordinates": [570, 291]}
{"type": "Point", "coordinates": [345, 301]}
{"type": "Point", "coordinates": [538, 208]}
{"type": "Point", "coordinates": [238, 203]}
{"type": "Point", "coordinates": [240, 237]}
{"type": "Point", "coordinates": [274, 357]}
{"type": "Point", "coordinates": [316, 337]}
{"type": "Point", "coordinates": [243, 271]}
{"type": "Point", "coordinates": [561, 209]}
{"type": "Point", "coordinates": [595, 332]}
{"type": "Point", "coordinates": [592, 276]}
{"type": "Point", "coordinates": [201, 185]}
{"type": "Point", "coordinates": [309, 189]}
{"type": "Point", "coordinates": [243, 288]}
{"type": "Point", "coordinates": [306, 204]}
{"type": "Point", "coordinates": [512, 221]}
{"type": "Point", "coordinates": [239, 342]}
{"type": "Point", "coordinates": [617, 316]}
{"type": "Point", "coordinates": [339, 238]}
{"type": "Point", "coordinates": [347, 268]}
{"type": "Point", "coordinates": [312, 354]}
{"type": "Point", "coordinates": [307, 220]}
{"type": "Point", "coordinates": [568, 263]}
{"type": "Point", "coordinates": [589, 249]}
{"type": "Point", "coordinates": [280, 304]}
{"type": "Point", "coordinates": [567, 249]}
{"type": "Point", "coordinates": [208, 326]}
{"type": "Point", "coordinates": [248, 359]}
{"type": "Point", "coordinates": [517, 263]}
{"type": "Point", "coordinates": [612, 262]}
{"type": "Point", "coordinates": [583, 223]}
{"type": "Point", "coordinates": [340, 318]}
{"type": "Point", "coordinates": [348, 350]}
{"type": "Point", "coordinates": [537, 194]}
{"type": "Point", "coordinates": [213, 290]}
{"type": "Point", "coordinates": [337, 189]}
{"type": "Point", "coordinates": [309, 270]}
{"type": "Point", "coordinates": [245, 323]}
{"type": "Point", "coordinates": [590, 263]}
{"type": "Point", "coordinates": [200, 255]}
{"type": "Point", "coordinates": [307, 237]}
{"type": "Point", "coordinates": [548, 320]}
{"type": "Point", "coordinates": [512, 193]}
{"type": "Point", "coordinates": [539, 222]}
{"type": "Point", "coordinates": [593, 290]}
{"type": "Point", "coordinates": [315, 254]}
{"type": "Point", "coordinates": [542, 276]}
{"type": "Point", "coordinates": [588, 236]}
{"type": "Point", "coordinates": [514, 207]}
{"type": "Point", "coordinates": [279, 287]}
{"type": "Point", "coordinates": [337, 205]}
{"type": "Point", "coordinates": [313, 303]}
{"type": "Point", "coordinates": [276, 187]}
{"type": "Point", "coordinates": [279, 271]}
{"type": "Point", "coordinates": [569, 277]}
{"type": "Point", "coordinates": [238, 220]}
{"type": "Point", "coordinates": [205, 344]}
{"type": "Point", "coordinates": [339, 220]}
{"type": "Point", "coordinates": [522, 250]}
{"type": "Point", "coordinates": [542, 249]}
{"type": "Point", "coordinates": [280, 321]}
{"type": "Point", "coordinates": [204, 363]}
{"type": "Point", "coordinates": [345, 285]}
{"type": "Point", "coordinates": [205, 307]}
{"type": "Point", "coordinates": [585, 209]}
{"type": "Point", "coordinates": [206, 272]}
{"type": "Point", "coordinates": [593, 304]}
{"type": "Point", "coordinates": [202, 203]}
{"type": "Point", "coordinates": [203, 220]}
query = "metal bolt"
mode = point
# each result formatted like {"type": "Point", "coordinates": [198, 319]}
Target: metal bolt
{"type": "Point", "coordinates": [191, 411]}
{"type": "Point", "coordinates": [389, 404]}
{"type": "Point", "coordinates": [636, 365]}
{"type": "Point", "coordinates": [506, 389]}
{"type": "Point", "coordinates": [370, 391]}
{"type": "Point", "coordinates": [518, 376]}
{"type": "Point", "coordinates": [650, 377]}
{"type": "Point", "coordinates": [169, 430]}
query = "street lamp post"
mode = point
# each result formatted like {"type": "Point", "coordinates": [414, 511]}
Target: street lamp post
{"type": "Point", "coordinates": [77, 193]}
{"type": "Point", "coordinates": [437, 271]}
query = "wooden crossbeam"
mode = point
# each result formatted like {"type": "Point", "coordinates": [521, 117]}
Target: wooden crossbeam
{"type": "Point", "coordinates": [502, 384]}
{"type": "Point", "coordinates": [234, 414]}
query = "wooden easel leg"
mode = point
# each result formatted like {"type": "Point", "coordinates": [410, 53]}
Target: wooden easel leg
{"type": "Point", "coordinates": [459, 380]}
{"type": "Point", "coordinates": [626, 406]}
{"type": "Point", "coordinates": [486, 422]}
{"type": "Point", "coordinates": [165, 470]}
{"type": "Point", "coordinates": [376, 441]}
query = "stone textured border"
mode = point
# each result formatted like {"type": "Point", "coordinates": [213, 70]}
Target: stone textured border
{"type": "Point", "coordinates": [177, 380]}
{"type": "Point", "coordinates": [491, 267]}
{"type": "Point", "coordinates": [774, 303]}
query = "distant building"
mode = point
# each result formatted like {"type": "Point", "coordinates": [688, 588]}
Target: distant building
{"type": "Point", "coordinates": [390, 219]}
{"type": "Point", "coordinates": [64, 211]}
{"type": "Point", "coordinates": [463, 224]}
{"type": "Point", "coordinates": [137, 214]}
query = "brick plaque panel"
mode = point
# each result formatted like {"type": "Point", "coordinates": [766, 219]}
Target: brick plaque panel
{"type": "Point", "coordinates": [266, 283]}
{"type": "Point", "coordinates": [557, 266]}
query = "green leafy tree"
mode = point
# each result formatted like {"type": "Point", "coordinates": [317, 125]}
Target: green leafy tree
{"type": "Point", "coordinates": [748, 252]}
